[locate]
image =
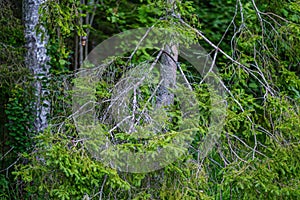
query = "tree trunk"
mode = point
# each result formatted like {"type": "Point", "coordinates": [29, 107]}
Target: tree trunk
{"type": "Point", "coordinates": [168, 69]}
{"type": "Point", "coordinates": [36, 60]}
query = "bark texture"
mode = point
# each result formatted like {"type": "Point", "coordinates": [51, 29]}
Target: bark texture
{"type": "Point", "coordinates": [168, 69]}
{"type": "Point", "coordinates": [36, 60]}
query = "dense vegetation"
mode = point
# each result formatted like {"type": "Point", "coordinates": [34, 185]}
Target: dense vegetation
{"type": "Point", "coordinates": [255, 46]}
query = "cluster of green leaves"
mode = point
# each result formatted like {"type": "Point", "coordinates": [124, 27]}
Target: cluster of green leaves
{"type": "Point", "coordinates": [116, 16]}
{"type": "Point", "coordinates": [260, 158]}
{"type": "Point", "coordinates": [20, 119]}
{"type": "Point", "coordinates": [61, 23]}
{"type": "Point", "coordinates": [275, 177]}
{"type": "Point", "coordinates": [61, 168]}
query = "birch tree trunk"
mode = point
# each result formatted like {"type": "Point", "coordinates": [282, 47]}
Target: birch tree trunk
{"type": "Point", "coordinates": [36, 60]}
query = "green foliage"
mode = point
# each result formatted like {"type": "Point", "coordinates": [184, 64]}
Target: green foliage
{"type": "Point", "coordinates": [20, 119]}
{"type": "Point", "coordinates": [16, 117]}
{"type": "Point", "coordinates": [61, 17]}
{"type": "Point", "coordinates": [257, 154]}
{"type": "Point", "coordinates": [11, 27]}
{"type": "Point", "coordinates": [59, 57]}
{"type": "Point", "coordinates": [276, 177]}
{"type": "Point", "coordinates": [61, 99]}
{"type": "Point", "coordinates": [4, 188]}
{"type": "Point", "coordinates": [15, 112]}
{"type": "Point", "coordinates": [60, 21]}
{"type": "Point", "coordinates": [60, 168]}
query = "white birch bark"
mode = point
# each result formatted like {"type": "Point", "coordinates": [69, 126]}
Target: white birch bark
{"type": "Point", "coordinates": [36, 60]}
